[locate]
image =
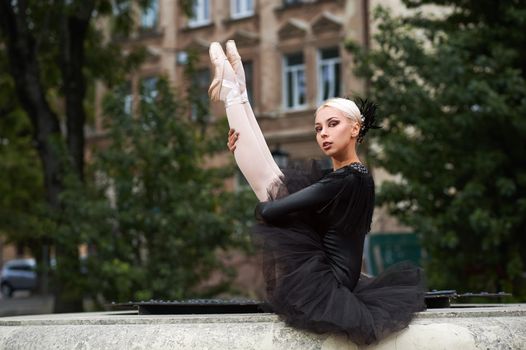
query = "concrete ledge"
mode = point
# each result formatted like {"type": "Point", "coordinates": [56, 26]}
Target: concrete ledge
{"type": "Point", "coordinates": [490, 327]}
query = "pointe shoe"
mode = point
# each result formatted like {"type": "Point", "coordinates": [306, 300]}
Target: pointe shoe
{"type": "Point", "coordinates": [224, 86]}
{"type": "Point", "coordinates": [235, 60]}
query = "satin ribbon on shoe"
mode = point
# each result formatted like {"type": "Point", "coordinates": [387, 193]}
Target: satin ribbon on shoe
{"type": "Point", "coordinates": [234, 96]}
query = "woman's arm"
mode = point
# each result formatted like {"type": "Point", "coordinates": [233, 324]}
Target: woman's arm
{"type": "Point", "coordinates": [311, 197]}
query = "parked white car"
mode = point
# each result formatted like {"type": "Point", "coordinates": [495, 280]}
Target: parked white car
{"type": "Point", "coordinates": [18, 274]}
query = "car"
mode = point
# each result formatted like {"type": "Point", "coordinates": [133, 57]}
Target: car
{"type": "Point", "coordinates": [18, 274]}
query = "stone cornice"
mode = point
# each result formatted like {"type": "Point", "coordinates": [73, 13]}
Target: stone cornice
{"type": "Point", "coordinates": [244, 38]}
{"type": "Point", "coordinates": [293, 28]}
{"type": "Point", "coordinates": [326, 21]}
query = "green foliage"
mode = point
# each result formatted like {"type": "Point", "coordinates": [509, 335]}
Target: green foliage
{"type": "Point", "coordinates": [21, 189]}
{"type": "Point", "coordinates": [452, 95]}
{"type": "Point", "coordinates": [155, 217]}
{"type": "Point", "coordinates": [22, 200]}
{"type": "Point", "coordinates": [151, 216]}
{"type": "Point", "coordinates": [22, 203]}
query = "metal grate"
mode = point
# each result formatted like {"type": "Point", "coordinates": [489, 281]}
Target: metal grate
{"type": "Point", "coordinates": [434, 300]}
{"type": "Point", "coordinates": [195, 306]}
{"type": "Point", "coordinates": [442, 298]}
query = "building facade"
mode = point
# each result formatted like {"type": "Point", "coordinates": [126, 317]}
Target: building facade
{"type": "Point", "coordinates": [294, 57]}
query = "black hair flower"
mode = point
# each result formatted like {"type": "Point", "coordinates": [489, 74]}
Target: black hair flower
{"type": "Point", "coordinates": [368, 112]}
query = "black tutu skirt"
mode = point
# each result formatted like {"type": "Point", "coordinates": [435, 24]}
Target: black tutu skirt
{"type": "Point", "coordinates": [303, 290]}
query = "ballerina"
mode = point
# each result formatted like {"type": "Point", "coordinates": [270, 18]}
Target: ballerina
{"type": "Point", "coordinates": [312, 224]}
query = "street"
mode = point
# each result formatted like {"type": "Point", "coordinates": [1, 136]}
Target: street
{"type": "Point", "coordinates": [24, 303]}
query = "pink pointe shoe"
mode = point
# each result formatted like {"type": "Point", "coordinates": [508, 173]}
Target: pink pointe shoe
{"type": "Point", "coordinates": [224, 86]}
{"type": "Point", "coordinates": [235, 60]}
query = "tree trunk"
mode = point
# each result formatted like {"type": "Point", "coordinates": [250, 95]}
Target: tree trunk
{"type": "Point", "coordinates": [24, 67]}
{"type": "Point", "coordinates": [74, 29]}
{"type": "Point", "coordinates": [25, 70]}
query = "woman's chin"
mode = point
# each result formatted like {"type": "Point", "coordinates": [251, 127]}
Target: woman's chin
{"type": "Point", "coordinates": [328, 152]}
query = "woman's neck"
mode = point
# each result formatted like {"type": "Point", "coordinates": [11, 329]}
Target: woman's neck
{"type": "Point", "coordinates": [337, 165]}
{"type": "Point", "coordinates": [340, 163]}
{"type": "Point", "coordinates": [341, 160]}
{"type": "Point", "coordinates": [344, 158]}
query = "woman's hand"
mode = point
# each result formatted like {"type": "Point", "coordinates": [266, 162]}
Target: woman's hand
{"type": "Point", "coordinates": [232, 139]}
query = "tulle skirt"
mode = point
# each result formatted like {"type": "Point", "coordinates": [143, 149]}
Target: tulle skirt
{"type": "Point", "coordinates": [303, 291]}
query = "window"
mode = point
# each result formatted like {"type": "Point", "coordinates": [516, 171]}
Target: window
{"type": "Point", "coordinates": [329, 81]}
{"type": "Point", "coordinates": [149, 16]}
{"type": "Point", "coordinates": [294, 87]}
{"type": "Point", "coordinates": [199, 93]}
{"type": "Point", "coordinates": [241, 8]}
{"type": "Point", "coordinates": [201, 13]}
{"type": "Point", "coordinates": [292, 2]}
{"type": "Point", "coordinates": [149, 89]}
{"type": "Point", "coordinates": [249, 78]}
{"type": "Point", "coordinates": [128, 97]}
{"type": "Point", "coordinates": [148, 94]}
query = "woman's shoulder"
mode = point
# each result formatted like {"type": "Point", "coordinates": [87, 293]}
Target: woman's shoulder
{"type": "Point", "coordinates": [303, 174]}
{"type": "Point", "coordinates": [354, 168]}
{"type": "Point", "coordinates": [349, 176]}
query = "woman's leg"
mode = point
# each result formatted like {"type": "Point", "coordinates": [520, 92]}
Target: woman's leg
{"type": "Point", "coordinates": [235, 60]}
{"type": "Point", "coordinates": [249, 157]}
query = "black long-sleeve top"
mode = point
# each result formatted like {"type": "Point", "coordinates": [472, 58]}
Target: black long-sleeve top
{"type": "Point", "coordinates": [340, 205]}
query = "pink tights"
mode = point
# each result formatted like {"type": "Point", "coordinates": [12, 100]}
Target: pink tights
{"type": "Point", "coordinates": [252, 154]}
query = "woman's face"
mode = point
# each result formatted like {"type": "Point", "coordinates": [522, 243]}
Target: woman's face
{"type": "Point", "coordinates": [335, 133]}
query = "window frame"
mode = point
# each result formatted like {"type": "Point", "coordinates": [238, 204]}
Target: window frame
{"type": "Point", "coordinates": [284, 81]}
{"type": "Point", "coordinates": [248, 66]}
{"type": "Point", "coordinates": [201, 75]}
{"type": "Point", "coordinates": [128, 97]}
{"type": "Point", "coordinates": [244, 10]}
{"type": "Point", "coordinates": [331, 62]}
{"type": "Point", "coordinates": [288, 3]}
{"type": "Point", "coordinates": [146, 12]}
{"type": "Point", "coordinates": [201, 17]}
{"type": "Point", "coordinates": [149, 91]}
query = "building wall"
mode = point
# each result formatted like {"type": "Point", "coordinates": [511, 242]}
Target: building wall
{"type": "Point", "coordinates": [263, 38]}
{"type": "Point", "coordinates": [274, 30]}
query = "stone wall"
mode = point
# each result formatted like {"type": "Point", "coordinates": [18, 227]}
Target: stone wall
{"type": "Point", "coordinates": [497, 327]}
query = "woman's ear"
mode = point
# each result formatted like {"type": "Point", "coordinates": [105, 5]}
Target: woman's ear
{"type": "Point", "coordinates": [355, 130]}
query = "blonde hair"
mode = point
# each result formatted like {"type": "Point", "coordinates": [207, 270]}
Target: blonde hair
{"type": "Point", "coordinates": [346, 106]}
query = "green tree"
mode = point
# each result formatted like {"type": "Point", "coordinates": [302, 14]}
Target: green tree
{"type": "Point", "coordinates": [155, 217]}
{"type": "Point", "coordinates": [452, 95]}
{"type": "Point", "coordinates": [53, 51]}
{"type": "Point", "coordinates": [21, 201]}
